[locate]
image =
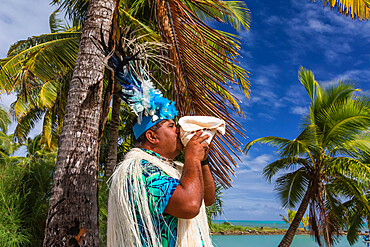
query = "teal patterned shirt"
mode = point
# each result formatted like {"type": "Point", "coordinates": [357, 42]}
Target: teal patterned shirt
{"type": "Point", "coordinates": [159, 188]}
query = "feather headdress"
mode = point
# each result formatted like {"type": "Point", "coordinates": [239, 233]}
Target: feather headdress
{"type": "Point", "coordinates": [138, 91]}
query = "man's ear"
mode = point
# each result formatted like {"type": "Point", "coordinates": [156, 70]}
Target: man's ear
{"type": "Point", "coordinates": [151, 137]}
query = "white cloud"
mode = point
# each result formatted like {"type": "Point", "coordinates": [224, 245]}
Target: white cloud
{"type": "Point", "coordinates": [274, 20]}
{"type": "Point", "coordinates": [313, 28]}
{"type": "Point", "coordinates": [253, 164]}
{"type": "Point", "coordinates": [355, 75]}
{"type": "Point", "coordinates": [298, 110]}
{"type": "Point", "coordinates": [318, 26]}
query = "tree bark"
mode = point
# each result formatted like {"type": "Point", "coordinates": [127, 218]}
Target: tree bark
{"type": "Point", "coordinates": [113, 135]}
{"type": "Point", "coordinates": [289, 235]}
{"type": "Point", "coordinates": [73, 207]}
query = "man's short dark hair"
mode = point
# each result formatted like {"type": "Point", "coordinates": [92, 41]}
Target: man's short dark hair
{"type": "Point", "coordinates": [139, 142]}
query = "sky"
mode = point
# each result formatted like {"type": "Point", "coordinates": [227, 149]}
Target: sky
{"type": "Point", "coordinates": [284, 35]}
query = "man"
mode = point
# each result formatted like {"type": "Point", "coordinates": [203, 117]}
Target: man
{"type": "Point", "coordinates": [155, 201]}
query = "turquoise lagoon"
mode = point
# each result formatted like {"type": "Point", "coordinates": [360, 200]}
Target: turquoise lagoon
{"type": "Point", "coordinates": [270, 240]}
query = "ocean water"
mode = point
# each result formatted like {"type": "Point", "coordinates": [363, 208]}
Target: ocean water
{"type": "Point", "coordinates": [270, 240]}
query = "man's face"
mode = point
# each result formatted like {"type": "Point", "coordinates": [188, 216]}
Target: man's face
{"type": "Point", "coordinates": [169, 139]}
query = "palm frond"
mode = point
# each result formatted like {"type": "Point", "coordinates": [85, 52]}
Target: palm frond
{"type": "Point", "coordinates": [284, 164]}
{"type": "Point", "coordinates": [272, 140]}
{"type": "Point", "coordinates": [292, 187]}
{"type": "Point", "coordinates": [7, 146]}
{"type": "Point", "coordinates": [128, 16]}
{"type": "Point", "coordinates": [356, 225]}
{"type": "Point", "coordinates": [56, 24]}
{"type": "Point", "coordinates": [359, 147]}
{"type": "Point", "coordinates": [350, 167]}
{"type": "Point", "coordinates": [75, 10]}
{"type": "Point", "coordinates": [352, 188]}
{"type": "Point", "coordinates": [46, 57]}
{"type": "Point", "coordinates": [235, 13]}
{"type": "Point", "coordinates": [305, 143]}
{"type": "Point", "coordinates": [203, 67]}
{"type": "Point", "coordinates": [4, 119]}
{"type": "Point", "coordinates": [343, 123]}
{"type": "Point", "coordinates": [26, 123]}
{"type": "Point", "coordinates": [355, 8]}
{"type": "Point", "coordinates": [307, 79]}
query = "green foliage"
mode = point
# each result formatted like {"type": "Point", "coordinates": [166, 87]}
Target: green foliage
{"type": "Point", "coordinates": [216, 209]}
{"type": "Point", "coordinates": [25, 186]}
{"type": "Point", "coordinates": [226, 226]}
{"type": "Point", "coordinates": [4, 119]}
{"type": "Point", "coordinates": [103, 211]}
{"type": "Point", "coordinates": [12, 232]}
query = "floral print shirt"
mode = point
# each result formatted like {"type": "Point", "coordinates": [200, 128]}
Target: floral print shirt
{"type": "Point", "coordinates": [159, 189]}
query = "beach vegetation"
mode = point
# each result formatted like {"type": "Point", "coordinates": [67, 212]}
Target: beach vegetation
{"type": "Point", "coordinates": [25, 187]}
{"type": "Point", "coordinates": [216, 209]}
{"type": "Point", "coordinates": [228, 228]}
{"type": "Point", "coordinates": [322, 168]}
{"type": "Point", "coordinates": [305, 222]}
{"type": "Point", "coordinates": [291, 215]}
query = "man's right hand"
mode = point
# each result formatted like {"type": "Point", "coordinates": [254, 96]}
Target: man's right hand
{"type": "Point", "coordinates": [197, 148]}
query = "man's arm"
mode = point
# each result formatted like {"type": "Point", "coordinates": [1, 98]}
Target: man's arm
{"type": "Point", "coordinates": [186, 200]}
{"type": "Point", "coordinates": [209, 186]}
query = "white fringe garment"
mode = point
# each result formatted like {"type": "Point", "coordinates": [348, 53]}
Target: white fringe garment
{"type": "Point", "coordinates": [127, 195]}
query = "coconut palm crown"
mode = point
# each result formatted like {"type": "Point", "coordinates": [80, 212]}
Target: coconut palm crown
{"type": "Point", "coordinates": [321, 164]}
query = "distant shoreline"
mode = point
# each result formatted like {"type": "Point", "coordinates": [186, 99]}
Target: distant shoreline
{"type": "Point", "coordinates": [258, 232]}
{"type": "Point", "coordinates": [227, 228]}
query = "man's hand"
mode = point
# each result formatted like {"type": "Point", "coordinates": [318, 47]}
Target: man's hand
{"type": "Point", "coordinates": [187, 199]}
{"type": "Point", "coordinates": [196, 149]}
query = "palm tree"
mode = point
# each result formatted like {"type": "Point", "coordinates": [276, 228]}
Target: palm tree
{"type": "Point", "coordinates": [38, 70]}
{"type": "Point", "coordinates": [356, 8]}
{"type": "Point", "coordinates": [305, 222]}
{"type": "Point", "coordinates": [291, 215]}
{"type": "Point", "coordinates": [323, 159]}
{"type": "Point", "coordinates": [73, 206]}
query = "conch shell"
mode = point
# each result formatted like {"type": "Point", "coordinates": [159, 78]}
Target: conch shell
{"type": "Point", "coordinates": [189, 125]}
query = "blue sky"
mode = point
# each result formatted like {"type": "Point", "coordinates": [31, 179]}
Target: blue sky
{"type": "Point", "coordinates": [284, 35]}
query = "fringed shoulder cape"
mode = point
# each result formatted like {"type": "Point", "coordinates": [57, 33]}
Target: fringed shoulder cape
{"type": "Point", "coordinates": [128, 202]}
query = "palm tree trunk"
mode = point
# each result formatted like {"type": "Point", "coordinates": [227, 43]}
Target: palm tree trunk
{"type": "Point", "coordinates": [73, 208]}
{"type": "Point", "coordinates": [113, 135]}
{"type": "Point", "coordinates": [289, 235]}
